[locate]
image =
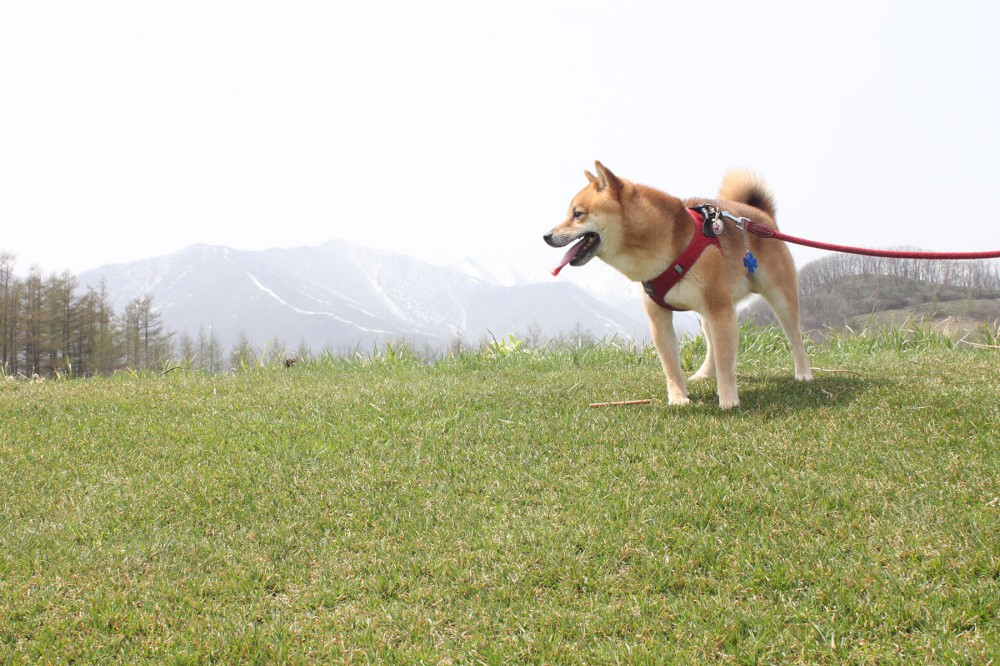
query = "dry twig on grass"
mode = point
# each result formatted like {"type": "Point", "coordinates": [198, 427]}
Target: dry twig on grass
{"type": "Point", "coordinates": [620, 403]}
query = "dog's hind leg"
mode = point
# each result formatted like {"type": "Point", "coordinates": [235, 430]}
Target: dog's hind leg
{"type": "Point", "coordinates": [661, 326]}
{"type": "Point", "coordinates": [784, 300]}
{"type": "Point", "coordinates": [789, 321]}
{"type": "Point", "coordinates": [707, 368]}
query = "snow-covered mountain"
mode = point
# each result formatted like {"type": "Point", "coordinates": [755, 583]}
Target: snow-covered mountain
{"type": "Point", "coordinates": [341, 295]}
{"type": "Point", "coordinates": [596, 278]}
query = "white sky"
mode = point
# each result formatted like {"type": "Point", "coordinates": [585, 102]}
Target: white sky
{"type": "Point", "coordinates": [451, 129]}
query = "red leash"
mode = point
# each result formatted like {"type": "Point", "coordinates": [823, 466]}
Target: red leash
{"type": "Point", "coordinates": [767, 232]}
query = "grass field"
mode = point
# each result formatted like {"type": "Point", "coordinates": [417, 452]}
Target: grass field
{"type": "Point", "coordinates": [476, 510]}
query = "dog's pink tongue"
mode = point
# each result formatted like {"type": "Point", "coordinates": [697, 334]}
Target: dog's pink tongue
{"type": "Point", "coordinates": [569, 256]}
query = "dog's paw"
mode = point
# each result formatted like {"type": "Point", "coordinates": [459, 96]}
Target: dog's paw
{"type": "Point", "coordinates": [804, 376]}
{"type": "Point", "coordinates": [700, 376]}
{"type": "Point", "coordinates": [729, 400]}
{"type": "Point", "coordinates": [678, 401]}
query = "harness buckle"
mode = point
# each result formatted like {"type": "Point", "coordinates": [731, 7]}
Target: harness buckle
{"type": "Point", "coordinates": [711, 222]}
{"type": "Point", "coordinates": [740, 222]}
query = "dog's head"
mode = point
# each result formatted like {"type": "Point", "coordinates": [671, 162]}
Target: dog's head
{"type": "Point", "coordinates": [593, 221]}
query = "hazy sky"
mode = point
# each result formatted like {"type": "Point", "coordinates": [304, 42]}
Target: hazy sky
{"type": "Point", "coordinates": [460, 129]}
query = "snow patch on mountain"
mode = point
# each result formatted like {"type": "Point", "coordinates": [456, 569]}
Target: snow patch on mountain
{"type": "Point", "coordinates": [340, 295]}
{"type": "Point", "coordinates": [597, 279]}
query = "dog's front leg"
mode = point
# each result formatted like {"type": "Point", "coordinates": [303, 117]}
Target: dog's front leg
{"type": "Point", "coordinates": [724, 331]}
{"type": "Point", "coordinates": [661, 326]}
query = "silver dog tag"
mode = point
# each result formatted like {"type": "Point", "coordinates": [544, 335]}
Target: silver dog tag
{"type": "Point", "coordinates": [717, 227]}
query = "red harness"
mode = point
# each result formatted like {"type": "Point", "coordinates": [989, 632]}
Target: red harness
{"type": "Point", "coordinates": [658, 287]}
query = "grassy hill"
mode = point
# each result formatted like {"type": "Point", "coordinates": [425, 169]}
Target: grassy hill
{"type": "Point", "coordinates": [478, 511]}
{"type": "Point", "coordinates": [861, 301]}
{"type": "Point", "coordinates": [887, 300]}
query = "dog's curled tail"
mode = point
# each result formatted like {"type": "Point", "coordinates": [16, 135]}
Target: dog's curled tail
{"type": "Point", "coordinates": [749, 188]}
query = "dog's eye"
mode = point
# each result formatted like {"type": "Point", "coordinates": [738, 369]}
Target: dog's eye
{"type": "Point", "coordinates": [577, 214]}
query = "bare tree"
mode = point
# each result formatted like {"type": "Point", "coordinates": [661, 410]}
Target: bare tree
{"type": "Point", "coordinates": [9, 305]}
{"type": "Point", "coordinates": [209, 350]}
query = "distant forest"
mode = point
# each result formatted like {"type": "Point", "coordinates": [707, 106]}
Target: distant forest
{"type": "Point", "coordinates": [839, 287]}
{"type": "Point", "coordinates": [50, 327]}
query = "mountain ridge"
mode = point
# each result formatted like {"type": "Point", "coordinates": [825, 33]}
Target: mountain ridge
{"type": "Point", "coordinates": [341, 294]}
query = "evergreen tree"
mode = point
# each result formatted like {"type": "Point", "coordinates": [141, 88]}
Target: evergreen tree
{"type": "Point", "coordinates": [129, 329]}
{"type": "Point", "coordinates": [9, 306]}
{"type": "Point", "coordinates": [155, 344]}
{"type": "Point", "coordinates": [187, 351]}
{"type": "Point", "coordinates": [209, 350]}
{"type": "Point", "coordinates": [104, 352]}
{"type": "Point", "coordinates": [58, 320]}
{"type": "Point", "coordinates": [243, 355]}
{"type": "Point", "coordinates": [32, 336]}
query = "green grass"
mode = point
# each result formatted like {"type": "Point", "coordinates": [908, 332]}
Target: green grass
{"type": "Point", "coordinates": [476, 510]}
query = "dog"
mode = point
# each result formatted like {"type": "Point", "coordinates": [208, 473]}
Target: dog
{"type": "Point", "coordinates": [643, 233]}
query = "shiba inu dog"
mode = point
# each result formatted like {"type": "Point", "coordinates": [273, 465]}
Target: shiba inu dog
{"type": "Point", "coordinates": [687, 263]}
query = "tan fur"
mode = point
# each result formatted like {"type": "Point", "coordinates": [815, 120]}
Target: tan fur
{"type": "Point", "coordinates": [749, 188]}
{"type": "Point", "coordinates": [643, 230]}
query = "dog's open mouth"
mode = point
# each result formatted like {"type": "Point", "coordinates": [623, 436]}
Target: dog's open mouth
{"type": "Point", "coordinates": [582, 252]}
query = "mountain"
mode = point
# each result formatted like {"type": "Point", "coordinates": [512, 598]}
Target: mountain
{"type": "Point", "coordinates": [597, 279]}
{"type": "Point", "coordinates": [503, 276]}
{"type": "Point", "coordinates": [341, 295]}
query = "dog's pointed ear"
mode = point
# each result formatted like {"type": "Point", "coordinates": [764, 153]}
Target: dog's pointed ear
{"type": "Point", "coordinates": [591, 177]}
{"type": "Point", "coordinates": [607, 180]}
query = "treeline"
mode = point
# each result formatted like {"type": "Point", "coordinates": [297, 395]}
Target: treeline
{"type": "Point", "coordinates": [48, 328]}
{"type": "Point", "coordinates": [983, 276]}
{"type": "Point", "coordinates": [837, 288]}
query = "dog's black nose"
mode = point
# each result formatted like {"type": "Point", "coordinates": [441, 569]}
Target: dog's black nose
{"type": "Point", "coordinates": [547, 238]}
